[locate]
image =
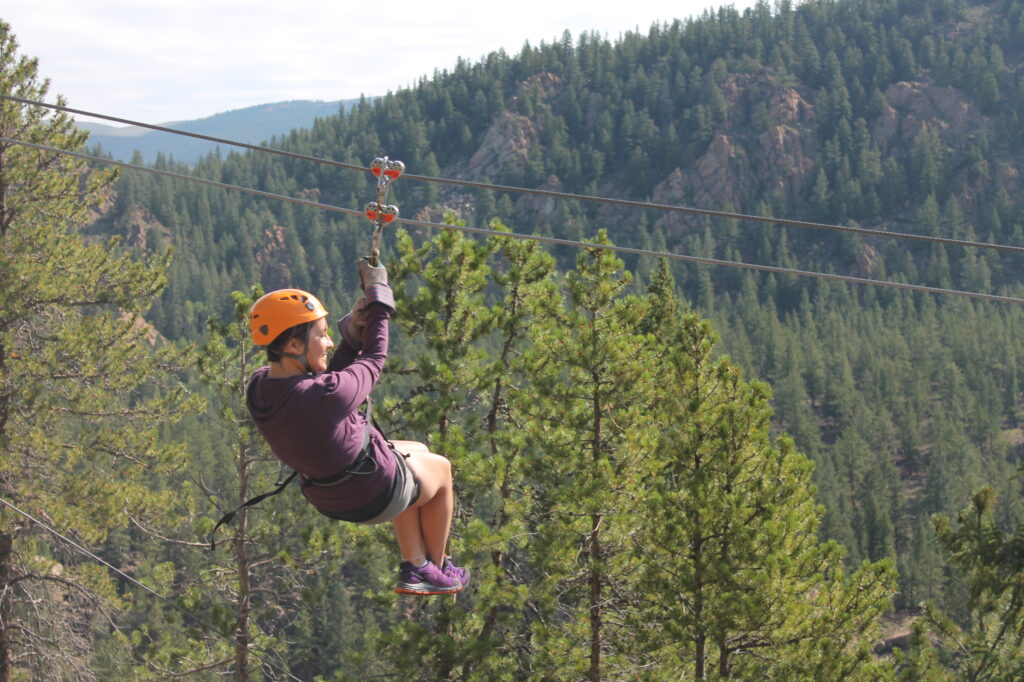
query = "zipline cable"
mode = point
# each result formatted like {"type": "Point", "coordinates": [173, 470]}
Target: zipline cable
{"type": "Point", "coordinates": [198, 136]}
{"type": "Point", "coordinates": [202, 623]}
{"type": "Point", "coordinates": [526, 237]}
{"type": "Point", "coordinates": [631, 203]}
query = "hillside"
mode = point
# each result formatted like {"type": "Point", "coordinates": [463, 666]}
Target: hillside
{"type": "Point", "coordinates": [253, 125]}
{"type": "Point", "coordinates": [894, 114]}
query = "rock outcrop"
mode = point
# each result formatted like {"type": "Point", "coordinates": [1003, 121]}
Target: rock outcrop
{"type": "Point", "coordinates": [505, 149]}
{"type": "Point", "coordinates": [738, 163]}
{"type": "Point", "coordinates": [141, 223]}
{"type": "Point", "coordinates": [912, 106]}
{"type": "Point", "coordinates": [537, 210]}
{"type": "Point", "coordinates": [508, 144]}
{"type": "Point", "coordinates": [273, 259]}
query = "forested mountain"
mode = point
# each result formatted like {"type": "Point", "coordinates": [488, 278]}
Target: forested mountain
{"type": "Point", "coordinates": [894, 114]}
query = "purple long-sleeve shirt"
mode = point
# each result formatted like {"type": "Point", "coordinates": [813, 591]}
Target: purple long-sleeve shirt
{"type": "Point", "coordinates": [313, 424]}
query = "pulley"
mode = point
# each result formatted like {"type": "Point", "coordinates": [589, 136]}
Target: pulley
{"type": "Point", "coordinates": [380, 212]}
{"type": "Point", "coordinates": [377, 213]}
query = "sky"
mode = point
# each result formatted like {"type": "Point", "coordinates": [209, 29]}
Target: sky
{"type": "Point", "coordinates": [159, 61]}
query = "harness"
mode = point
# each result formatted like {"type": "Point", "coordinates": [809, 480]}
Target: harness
{"type": "Point", "coordinates": [354, 469]}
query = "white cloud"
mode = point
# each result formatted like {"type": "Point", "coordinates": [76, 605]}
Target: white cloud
{"type": "Point", "coordinates": [161, 60]}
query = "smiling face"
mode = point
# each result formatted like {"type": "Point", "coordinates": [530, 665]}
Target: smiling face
{"type": "Point", "coordinates": [318, 345]}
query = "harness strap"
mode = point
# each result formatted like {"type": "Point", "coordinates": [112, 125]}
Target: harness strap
{"type": "Point", "coordinates": [249, 503]}
{"type": "Point", "coordinates": [334, 479]}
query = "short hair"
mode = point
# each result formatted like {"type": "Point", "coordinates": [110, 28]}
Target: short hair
{"type": "Point", "coordinates": [276, 347]}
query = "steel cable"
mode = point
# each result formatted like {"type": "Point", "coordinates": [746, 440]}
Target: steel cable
{"type": "Point", "coordinates": [631, 203]}
{"type": "Point", "coordinates": [514, 235]}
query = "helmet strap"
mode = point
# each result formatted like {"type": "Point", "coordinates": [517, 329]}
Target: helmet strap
{"type": "Point", "coordinates": [301, 357]}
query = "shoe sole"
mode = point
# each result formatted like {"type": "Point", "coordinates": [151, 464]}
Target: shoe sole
{"type": "Point", "coordinates": [401, 589]}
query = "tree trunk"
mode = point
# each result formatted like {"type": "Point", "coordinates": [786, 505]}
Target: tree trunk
{"type": "Point", "coordinates": [595, 599]}
{"type": "Point", "coordinates": [595, 543]}
{"type": "Point", "coordinates": [6, 571]}
{"type": "Point", "coordinates": [723, 658]}
{"type": "Point", "coordinates": [700, 657]}
{"type": "Point", "coordinates": [4, 397]}
{"type": "Point", "coordinates": [243, 604]}
{"type": "Point", "coordinates": [700, 640]}
{"type": "Point", "coordinates": [6, 538]}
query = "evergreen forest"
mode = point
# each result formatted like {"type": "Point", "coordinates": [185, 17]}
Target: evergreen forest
{"type": "Point", "coordinates": [664, 469]}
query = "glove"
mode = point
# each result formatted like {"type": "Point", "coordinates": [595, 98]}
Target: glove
{"type": "Point", "coordinates": [374, 280]}
{"type": "Point", "coordinates": [352, 326]}
{"type": "Point", "coordinates": [371, 274]}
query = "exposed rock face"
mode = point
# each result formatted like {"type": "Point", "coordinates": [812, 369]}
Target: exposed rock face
{"type": "Point", "coordinates": [507, 145]}
{"type": "Point", "coordinates": [459, 204]}
{"type": "Point", "coordinates": [767, 145]}
{"type": "Point", "coordinates": [149, 332]}
{"type": "Point", "coordinates": [787, 108]}
{"type": "Point", "coordinates": [785, 105]}
{"type": "Point", "coordinates": [711, 181]}
{"type": "Point", "coordinates": [785, 158]}
{"type": "Point", "coordinates": [537, 210]}
{"type": "Point", "coordinates": [504, 150]}
{"type": "Point", "coordinates": [543, 85]}
{"type": "Point", "coordinates": [738, 164]}
{"type": "Point", "coordinates": [272, 259]}
{"type": "Point", "coordinates": [867, 260]}
{"type": "Point", "coordinates": [913, 106]}
{"type": "Point", "coordinates": [141, 222]}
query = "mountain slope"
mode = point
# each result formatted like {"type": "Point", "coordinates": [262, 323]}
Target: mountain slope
{"type": "Point", "coordinates": [890, 113]}
{"type": "Point", "coordinates": [252, 125]}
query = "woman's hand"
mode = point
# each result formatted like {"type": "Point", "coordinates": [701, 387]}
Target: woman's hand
{"type": "Point", "coordinates": [371, 274]}
{"type": "Point", "coordinates": [353, 325]}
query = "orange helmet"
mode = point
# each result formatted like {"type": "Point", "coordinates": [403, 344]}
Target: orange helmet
{"type": "Point", "coordinates": [280, 310]}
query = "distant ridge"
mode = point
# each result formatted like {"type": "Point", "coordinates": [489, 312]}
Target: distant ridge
{"type": "Point", "coordinates": [252, 124]}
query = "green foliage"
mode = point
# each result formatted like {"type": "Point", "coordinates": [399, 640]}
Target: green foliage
{"type": "Point", "coordinates": [565, 440]}
{"type": "Point", "coordinates": [591, 387]}
{"type": "Point", "coordinates": [85, 386]}
{"type": "Point", "coordinates": [459, 404]}
{"type": "Point", "coordinates": [734, 580]}
{"type": "Point", "coordinates": [989, 643]}
{"type": "Point", "coordinates": [905, 403]}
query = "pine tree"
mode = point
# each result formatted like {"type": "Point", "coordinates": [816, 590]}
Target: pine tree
{"type": "Point", "coordinates": [497, 471]}
{"type": "Point", "coordinates": [989, 643]}
{"type": "Point", "coordinates": [590, 391]}
{"type": "Point", "coordinates": [734, 580]}
{"type": "Point", "coordinates": [83, 386]}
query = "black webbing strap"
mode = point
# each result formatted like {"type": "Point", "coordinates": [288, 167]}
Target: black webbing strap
{"type": "Point", "coordinates": [329, 480]}
{"type": "Point", "coordinates": [249, 503]}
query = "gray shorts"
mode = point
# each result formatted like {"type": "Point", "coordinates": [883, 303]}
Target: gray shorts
{"type": "Point", "coordinates": [404, 491]}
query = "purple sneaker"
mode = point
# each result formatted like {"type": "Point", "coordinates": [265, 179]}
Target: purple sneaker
{"type": "Point", "coordinates": [453, 571]}
{"type": "Point", "coordinates": [427, 579]}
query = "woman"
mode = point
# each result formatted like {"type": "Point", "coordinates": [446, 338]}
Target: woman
{"type": "Point", "coordinates": [306, 402]}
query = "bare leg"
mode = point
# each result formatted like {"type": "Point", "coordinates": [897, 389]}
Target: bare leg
{"type": "Point", "coordinates": [423, 528]}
